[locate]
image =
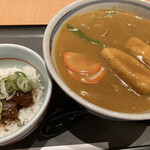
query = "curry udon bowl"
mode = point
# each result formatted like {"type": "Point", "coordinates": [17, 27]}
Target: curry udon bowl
{"type": "Point", "coordinates": [15, 57]}
{"type": "Point", "coordinates": [63, 54]}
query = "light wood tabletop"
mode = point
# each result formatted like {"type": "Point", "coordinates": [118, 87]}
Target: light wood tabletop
{"type": "Point", "coordinates": [29, 12]}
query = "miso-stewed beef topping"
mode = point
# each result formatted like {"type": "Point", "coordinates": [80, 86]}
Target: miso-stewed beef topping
{"type": "Point", "coordinates": [11, 109]}
{"type": "Point", "coordinates": [15, 94]}
{"type": "Point", "coordinates": [23, 99]}
{"type": "Point", "coordinates": [27, 101]}
{"type": "Point", "coordinates": [19, 100]}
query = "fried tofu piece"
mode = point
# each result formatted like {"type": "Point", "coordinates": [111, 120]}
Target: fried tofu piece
{"type": "Point", "coordinates": [138, 47]}
{"type": "Point", "coordinates": [132, 72]}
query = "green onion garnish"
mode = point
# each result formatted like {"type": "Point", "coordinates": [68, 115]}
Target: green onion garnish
{"type": "Point", "coordinates": [17, 81]}
{"type": "Point", "coordinates": [84, 36]}
{"type": "Point", "coordinates": [18, 73]}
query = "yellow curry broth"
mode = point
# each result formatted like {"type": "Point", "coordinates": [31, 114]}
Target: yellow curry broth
{"type": "Point", "coordinates": [113, 29]}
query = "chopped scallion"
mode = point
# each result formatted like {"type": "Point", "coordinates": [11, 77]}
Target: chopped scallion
{"type": "Point", "coordinates": [9, 87]}
{"type": "Point", "coordinates": [14, 82]}
{"type": "Point", "coordinates": [34, 83]}
{"type": "Point", "coordinates": [1, 110]}
{"type": "Point", "coordinates": [84, 36]}
{"type": "Point", "coordinates": [23, 84]}
{"type": "Point", "coordinates": [18, 73]}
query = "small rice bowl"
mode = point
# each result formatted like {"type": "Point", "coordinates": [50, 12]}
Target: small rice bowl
{"type": "Point", "coordinates": [25, 114]}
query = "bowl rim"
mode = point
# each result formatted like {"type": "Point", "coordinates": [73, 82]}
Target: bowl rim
{"type": "Point", "coordinates": [15, 136]}
{"type": "Point", "coordinates": [47, 56]}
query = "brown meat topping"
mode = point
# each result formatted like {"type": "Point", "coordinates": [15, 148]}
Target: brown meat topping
{"type": "Point", "coordinates": [11, 110]}
{"type": "Point", "coordinates": [23, 99]}
{"type": "Point", "coordinates": [19, 100]}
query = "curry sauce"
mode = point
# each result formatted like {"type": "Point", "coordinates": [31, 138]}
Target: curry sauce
{"type": "Point", "coordinates": [113, 28]}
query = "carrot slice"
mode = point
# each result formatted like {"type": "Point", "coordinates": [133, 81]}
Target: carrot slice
{"type": "Point", "coordinates": [76, 76]}
{"type": "Point", "coordinates": [97, 76]}
{"type": "Point", "coordinates": [77, 62]}
{"type": "Point", "coordinates": [87, 77]}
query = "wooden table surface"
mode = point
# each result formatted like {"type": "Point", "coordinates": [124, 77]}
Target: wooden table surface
{"type": "Point", "coordinates": [29, 12]}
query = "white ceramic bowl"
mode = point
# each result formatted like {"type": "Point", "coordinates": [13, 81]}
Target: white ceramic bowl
{"type": "Point", "coordinates": [12, 55]}
{"type": "Point", "coordinates": [141, 7]}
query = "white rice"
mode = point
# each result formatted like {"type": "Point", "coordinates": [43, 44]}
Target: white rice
{"type": "Point", "coordinates": [25, 114]}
